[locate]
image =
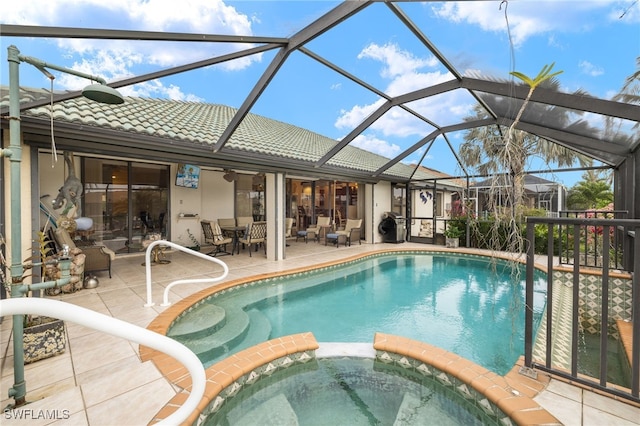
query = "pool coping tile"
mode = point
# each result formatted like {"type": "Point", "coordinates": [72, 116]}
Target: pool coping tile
{"type": "Point", "coordinates": [521, 409]}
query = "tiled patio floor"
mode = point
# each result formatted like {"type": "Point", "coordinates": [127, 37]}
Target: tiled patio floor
{"type": "Point", "coordinates": [100, 379]}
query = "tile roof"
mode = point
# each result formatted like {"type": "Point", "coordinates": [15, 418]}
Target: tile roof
{"type": "Point", "coordinates": [202, 124]}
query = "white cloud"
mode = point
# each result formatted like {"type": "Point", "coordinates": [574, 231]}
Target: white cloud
{"type": "Point", "coordinates": [405, 74]}
{"type": "Point", "coordinates": [155, 89]}
{"type": "Point", "coordinates": [528, 18]}
{"type": "Point", "coordinates": [378, 146]}
{"type": "Point", "coordinates": [588, 68]}
{"type": "Point", "coordinates": [397, 62]}
{"type": "Point", "coordinates": [205, 16]}
{"type": "Point", "coordinates": [357, 114]}
{"type": "Point", "coordinates": [412, 80]}
{"type": "Point", "coordinates": [626, 11]}
{"type": "Point", "coordinates": [116, 59]}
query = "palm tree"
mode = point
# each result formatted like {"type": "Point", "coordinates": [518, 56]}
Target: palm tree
{"type": "Point", "coordinates": [501, 152]}
{"type": "Point", "coordinates": [630, 92]}
{"type": "Point", "coordinates": [489, 152]}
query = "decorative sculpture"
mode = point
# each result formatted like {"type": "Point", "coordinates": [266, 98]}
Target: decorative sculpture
{"type": "Point", "coordinates": [69, 194]}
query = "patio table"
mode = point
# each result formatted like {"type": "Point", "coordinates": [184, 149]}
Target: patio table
{"type": "Point", "coordinates": [236, 232]}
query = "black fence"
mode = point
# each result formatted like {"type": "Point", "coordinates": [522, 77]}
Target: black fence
{"type": "Point", "coordinates": [592, 245]}
{"type": "Point", "coordinates": [588, 289]}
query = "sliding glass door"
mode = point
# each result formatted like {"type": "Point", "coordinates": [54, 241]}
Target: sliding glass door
{"type": "Point", "coordinates": [127, 202]}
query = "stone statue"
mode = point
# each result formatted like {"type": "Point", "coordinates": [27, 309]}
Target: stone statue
{"type": "Point", "coordinates": [69, 194]}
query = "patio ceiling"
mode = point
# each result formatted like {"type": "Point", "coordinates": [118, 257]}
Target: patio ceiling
{"type": "Point", "coordinates": [600, 143]}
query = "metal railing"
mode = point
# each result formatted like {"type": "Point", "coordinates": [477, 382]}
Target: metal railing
{"type": "Point", "coordinates": [601, 293]}
{"type": "Point", "coordinates": [592, 242]}
{"type": "Point", "coordinates": [115, 327]}
{"type": "Point", "coordinates": [165, 300]}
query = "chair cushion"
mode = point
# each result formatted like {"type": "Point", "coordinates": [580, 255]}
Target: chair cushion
{"type": "Point", "coordinates": [227, 222]}
{"type": "Point", "coordinates": [243, 220]}
{"type": "Point", "coordinates": [111, 253]}
{"type": "Point", "coordinates": [332, 236]}
{"type": "Point", "coordinates": [302, 233]}
{"type": "Point", "coordinates": [352, 223]}
{"type": "Point", "coordinates": [217, 232]}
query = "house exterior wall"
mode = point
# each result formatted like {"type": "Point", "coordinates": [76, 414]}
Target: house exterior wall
{"type": "Point", "coordinates": [378, 197]}
{"type": "Point", "coordinates": [213, 199]}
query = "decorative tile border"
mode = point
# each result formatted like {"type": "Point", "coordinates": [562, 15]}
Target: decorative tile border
{"type": "Point", "coordinates": [229, 376]}
{"type": "Point", "coordinates": [589, 310]}
{"type": "Point", "coordinates": [505, 401]}
{"type": "Point", "coordinates": [590, 293]}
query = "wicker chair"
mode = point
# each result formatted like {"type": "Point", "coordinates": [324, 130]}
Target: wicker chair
{"type": "Point", "coordinates": [321, 226]}
{"type": "Point", "coordinates": [256, 233]}
{"type": "Point", "coordinates": [213, 235]}
{"type": "Point", "coordinates": [97, 258]}
{"type": "Point", "coordinates": [351, 231]}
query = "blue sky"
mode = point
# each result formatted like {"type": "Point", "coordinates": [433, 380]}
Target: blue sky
{"type": "Point", "coordinates": [594, 42]}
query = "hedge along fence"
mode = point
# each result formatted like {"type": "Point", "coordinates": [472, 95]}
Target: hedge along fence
{"type": "Point", "coordinates": [487, 234]}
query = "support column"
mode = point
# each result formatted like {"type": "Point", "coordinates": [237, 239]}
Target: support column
{"type": "Point", "coordinates": [275, 209]}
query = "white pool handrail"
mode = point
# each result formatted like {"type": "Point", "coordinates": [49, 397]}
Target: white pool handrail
{"type": "Point", "coordinates": [97, 321]}
{"type": "Point", "coordinates": [165, 299]}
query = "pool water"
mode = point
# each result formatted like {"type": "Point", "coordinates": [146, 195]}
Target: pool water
{"type": "Point", "coordinates": [347, 391]}
{"type": "Point", "coordinates": [464, 304]}
{"type": "Point", "coordinates": [589, 359]}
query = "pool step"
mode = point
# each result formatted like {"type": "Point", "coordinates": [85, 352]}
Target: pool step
{"type": "Point", "coordinates": [241, 330]}
{"type": "Point", "coordinates": [275, 411]}
{"type": "Point", "coordinates": [218, 343]}
{"type": "Point", "coordinates": [199, 322]}
{"type": "Point", "coordinates": [259, 331]}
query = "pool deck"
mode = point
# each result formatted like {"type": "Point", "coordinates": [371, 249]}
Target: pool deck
{"type": "Point", "coordinates": [101, 380]}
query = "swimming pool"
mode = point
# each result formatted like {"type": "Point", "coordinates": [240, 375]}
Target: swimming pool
{"type": "Point", "coordinates": [465, 304]}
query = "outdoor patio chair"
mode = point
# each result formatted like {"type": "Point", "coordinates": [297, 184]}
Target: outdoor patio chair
{"type": "Point", "coordinates": [256, 233]}
{"type": "Point", "coordinates": [98, 258]}
{"type": "Point", "coordinates": [213, 235]}
{"type": "Point", "coordinates": [243, 220]}
{"type": "Point", "coordinates": [351, 231]}
{"type": "Point", "coordinates": [288, 226]}
{"type": "Point", "coordinates": [315, 231]}
{"type": "Point", "coordinates": [227, 221]}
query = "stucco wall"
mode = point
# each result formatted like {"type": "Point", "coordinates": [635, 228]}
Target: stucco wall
{"type": "Point", "coordinates": [212, 200]}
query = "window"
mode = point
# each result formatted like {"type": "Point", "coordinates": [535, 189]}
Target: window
{"type": "Point", "coordinates": [399, 199]}
{"type": "Point", "coordinates": [250, 197]}
{"type": "Point", "coordinates": [439, 204]}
